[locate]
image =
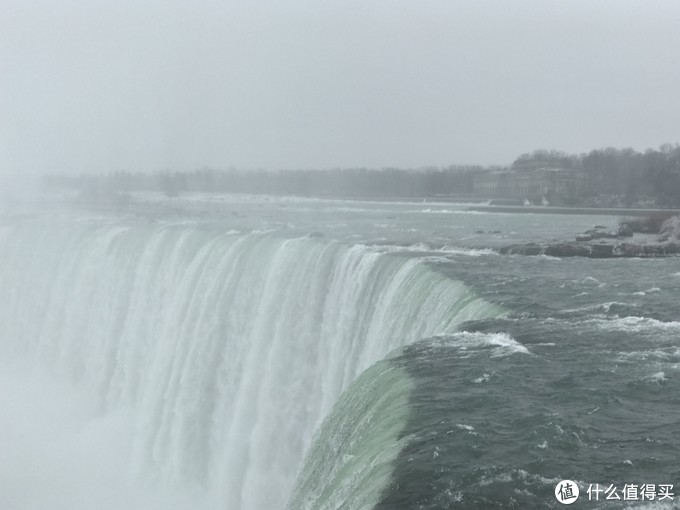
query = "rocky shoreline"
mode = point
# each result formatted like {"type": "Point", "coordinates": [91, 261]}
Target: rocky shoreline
{"type": "Point", "coordinates": [599, 243]}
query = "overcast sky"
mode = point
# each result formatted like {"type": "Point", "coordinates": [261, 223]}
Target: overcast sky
{"type": "Point", "coordinates": [94, 85]}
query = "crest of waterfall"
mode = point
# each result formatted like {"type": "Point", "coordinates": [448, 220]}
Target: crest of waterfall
{"type": "Point", "coordinates": [352, 456]}
{"type": "Point", "coordinates": [229, 349]}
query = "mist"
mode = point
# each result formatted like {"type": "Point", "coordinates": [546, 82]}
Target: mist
{"type": "Point", "coordinates": [103, 86]}
{"type": "Point", "coordinates": [60, 452]}
{"type": "Point", "coordinates": [255, 255]}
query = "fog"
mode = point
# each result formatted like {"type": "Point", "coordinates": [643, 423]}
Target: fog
{"type": "Point", "coordinates": [60, 453]}
{"type": "Point", "coordinates": [161, 92]}
{"type": "Point", "coordinates": [140, 86]}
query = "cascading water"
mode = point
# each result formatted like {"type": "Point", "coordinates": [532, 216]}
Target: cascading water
{"type": "Point", "coordinates": [229, 349]}
{"type": "Point", "coordinates": [351, 459]}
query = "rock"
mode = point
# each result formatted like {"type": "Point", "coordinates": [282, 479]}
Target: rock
{"type": "Point", "coordinates": [625, 231]}
{"type": "Point", "coordinates": [596, 233]}
{"type": "Point", "coordinates": [522, 249]}
{"type": "Point", "coordinates": [647, 250]}
{"type": "Point", "coordinates": [579, 250]}
{"type": "Point", "coordinates": [601, 251]}
{"type": "Point", "coordinates": [599, 234]}
{"type": "Point", "coordinates": [594, 250]}
{"type": "Point", "coordinates": [599, 243]}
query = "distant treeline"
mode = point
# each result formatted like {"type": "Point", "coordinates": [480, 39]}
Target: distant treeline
{"type": "Point", "coordinates": [612, 177]}
{"type": "Point", "coordinates": [346, 182]}
{"type": "Point", "coordinates": [623, 176]}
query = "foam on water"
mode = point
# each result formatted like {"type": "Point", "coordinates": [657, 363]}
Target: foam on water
{"type": "Point", "coordinates": [504, 344]}
{"type": "Point", "coordinates": [604, 307]}
{"type": "Point", "coordinates": [657, 377]}
{"type": "Point", "coordinates": [634, 324]}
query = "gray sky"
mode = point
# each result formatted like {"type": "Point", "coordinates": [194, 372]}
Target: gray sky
{"type": "Point", "coordinates": [141, 85]}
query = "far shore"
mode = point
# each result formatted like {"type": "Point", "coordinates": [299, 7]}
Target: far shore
{"type": "Point", "coordinates": [604, 211]}
{"type": "Point", "coordinates": [469, 202]}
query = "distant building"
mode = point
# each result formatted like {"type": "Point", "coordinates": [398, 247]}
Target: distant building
{"type": "Point", "coordinates": [531, 180]}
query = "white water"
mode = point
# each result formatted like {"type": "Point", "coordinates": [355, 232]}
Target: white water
{"type": "Point", "coordinates": [223, 351]}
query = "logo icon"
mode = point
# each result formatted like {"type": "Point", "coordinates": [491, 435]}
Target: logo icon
{"type": "Point", "coordinates": [566, 492]}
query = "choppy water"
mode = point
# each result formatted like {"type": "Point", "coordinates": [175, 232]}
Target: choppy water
{"type": "Point", "coordinates": [390, 360]}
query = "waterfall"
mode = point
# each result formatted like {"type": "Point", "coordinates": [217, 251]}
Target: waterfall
{"type": "Point", "coordinates": [228, 348]}
{"type": "Point", "coordinates": [352, 457]}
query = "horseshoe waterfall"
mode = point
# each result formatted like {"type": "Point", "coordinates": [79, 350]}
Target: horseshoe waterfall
{"type": "Point", "coordinates": [208, 359]}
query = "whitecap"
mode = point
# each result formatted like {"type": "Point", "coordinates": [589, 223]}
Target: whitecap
{"type": "Point", "coordinates": [468, 251]}
{"type": "Point", "coordinates": [635, 324]}
{"type": "Point", "coordinates": [504, 343]}
{"type": "Point", "coordinates": [657, 377]}
{"type": "Point", "coordinates": [598, 306]}
{"type": "Point", "coordinates": [482, 378]}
